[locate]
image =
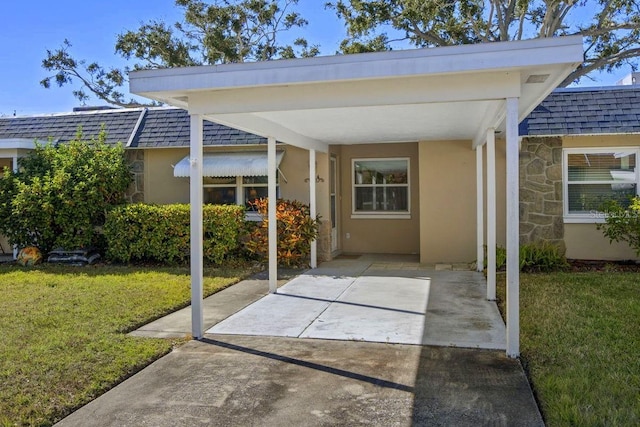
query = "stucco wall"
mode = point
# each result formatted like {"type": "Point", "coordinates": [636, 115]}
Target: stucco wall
{"type": "Point", "coordinates": [379, 235]}
{"type": "Point", "coordinates": [600, 141]}
{"type": "Point", "coordinates": [160, 185]}
{"type": "Point", "coordinates": [584, 241]}
{"type": "Point", "coordinates": [447, 201]}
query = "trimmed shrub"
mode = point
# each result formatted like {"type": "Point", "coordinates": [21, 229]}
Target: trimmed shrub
{"type": "Point", "coordinates": [160, 233]}
{"type": "Point", "coordinates": [296, 230]}
{"type": "Point", "coordinates": [622, 223]}
{"type": "Point", "coordinates": [534, 257]}
{"type": "Point", "coordinates": [538, 257]}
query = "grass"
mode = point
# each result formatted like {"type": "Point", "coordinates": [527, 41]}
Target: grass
{"type": "Point", "coordinates": [63, 332]}
{"type": "Point", "coordinates": [580, 345]}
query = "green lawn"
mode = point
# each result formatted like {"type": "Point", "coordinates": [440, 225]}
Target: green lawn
{"type": "Point", "coordinates": [63, 332]}
{"type": "Point", "coordinates": [580, 344]}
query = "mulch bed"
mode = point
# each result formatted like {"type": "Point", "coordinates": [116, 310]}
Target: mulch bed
{"type": "Point", "coordinates": [580, 265]}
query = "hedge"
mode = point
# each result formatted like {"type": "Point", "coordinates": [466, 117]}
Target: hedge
{"type": "Point", "coordinates": [160, 233]}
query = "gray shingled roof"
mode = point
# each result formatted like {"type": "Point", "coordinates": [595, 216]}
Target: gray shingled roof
{"type": "Point", "coordinates": [63, 127]}
{"type": "Point", "coordinates": [169, 127]}
{"type": "Point", "coordinates": [160, 127]}
{"type": "Point", "coordinates": [580, 111]}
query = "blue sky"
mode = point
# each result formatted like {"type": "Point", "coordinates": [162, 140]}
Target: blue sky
{"type": "Point", "coordinates": [30, 27]}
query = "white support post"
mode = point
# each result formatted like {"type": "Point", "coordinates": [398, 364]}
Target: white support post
{"type": "Point", "coordinates": [479, 210]}
{"type": "Point", "coordinates": [195, 198]}
{"type": "Point", "coordinates": [273, 225]}
{"type": "Point", "coordinates": [513, 230]}
{"type": "Point", "coordinates": [491, 214]}
{"type": "Point", "coordinates": [312, 203]}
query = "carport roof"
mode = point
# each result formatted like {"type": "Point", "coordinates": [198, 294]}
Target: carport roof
{"type": "Point", "coordinates": [422, 94]}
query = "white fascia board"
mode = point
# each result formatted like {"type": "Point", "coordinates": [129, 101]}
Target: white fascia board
{"type": "Point", "coordinates": [268, 129]}
{"type": "Point", "coordinates": [19, 143]}
{"type": "Point", "coordinates": [363, 93]}
{"type": "Point", "coordinates": [426, 61]}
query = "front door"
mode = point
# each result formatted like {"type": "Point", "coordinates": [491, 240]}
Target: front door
{"type": "Point", "coordinates": [333, 190]}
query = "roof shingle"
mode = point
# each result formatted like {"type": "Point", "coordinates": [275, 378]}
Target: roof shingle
{"type": "Point", "coordinates": [576, 111]}
{"type": "Point", "coordinates": [160, 127]}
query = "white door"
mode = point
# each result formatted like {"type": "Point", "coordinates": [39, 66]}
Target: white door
{"type": "Point", "coordinates": [333, 195]}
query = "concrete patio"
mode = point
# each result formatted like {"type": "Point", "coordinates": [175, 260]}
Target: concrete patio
{"type": "Point", "coordinates": [391, 299]}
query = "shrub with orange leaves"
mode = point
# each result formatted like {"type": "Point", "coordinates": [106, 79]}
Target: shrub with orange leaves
{"type": "Point", "coordinates": [296, 231]}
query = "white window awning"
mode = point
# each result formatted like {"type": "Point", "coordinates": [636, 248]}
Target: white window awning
{"type": "Point", "coordinates": [247, 163]}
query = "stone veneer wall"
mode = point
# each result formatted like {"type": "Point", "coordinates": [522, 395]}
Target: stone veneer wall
{"type": "Point", "coordinates": [135, 192]}
{"type": "Point", "coordinates": [541, 218]}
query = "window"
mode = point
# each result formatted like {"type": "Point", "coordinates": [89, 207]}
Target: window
{"type": "Point", "coordinates": [381, 188]}
{"type": "Point", "coordinates": [594, 176]}
{"type": "Point", "coordinates": [254, 187]}
{"type": "Point", "coordinates": [220, 190]}
{"type": "Point", "coordinates": [235, 190]}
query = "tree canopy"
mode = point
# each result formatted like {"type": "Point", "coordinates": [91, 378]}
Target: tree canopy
{"type": "Point", "coordinates": [221, 31]}
{"type": "Point", "coordinates": [228, 31]}
{"type": "Point", "coordinates": [610, 28]}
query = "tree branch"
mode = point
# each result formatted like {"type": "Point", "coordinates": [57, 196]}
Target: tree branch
{"type": "Point", "coordinates": [596, 64]}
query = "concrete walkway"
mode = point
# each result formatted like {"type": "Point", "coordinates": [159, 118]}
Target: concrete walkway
{"type": "Point", "coordinates": [216, 308]}
{"type": "Point", "coordinates": [231, 380]}
{"type": "Point", "coordinates": [267, 381]}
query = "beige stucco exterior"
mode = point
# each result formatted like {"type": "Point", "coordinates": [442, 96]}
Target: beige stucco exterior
{"type": "Point", "coordinates": [443, 205]}
{"type": "Point", "coordinates": [585, 241]}
{"type": "Point", "coordinates": [160, 185]}
{"type": "Point", "coordinates": [360, 235]}
{"type": "Point", "coordinates": [603, 141]}
{"type": "Point", "coordinates": [448, 200]}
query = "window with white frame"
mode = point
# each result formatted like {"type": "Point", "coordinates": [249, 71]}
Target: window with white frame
{"type": "Point", "coordinates": [593, 176]}
{"type": "Point", "coordinates": [220, 190]}
{"type": "Point", "coordinates": [235, 190]}
{"type": "Point", "coordinates": [381, 187]}
{"type": "Point", "coordinates": [255, 187]}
